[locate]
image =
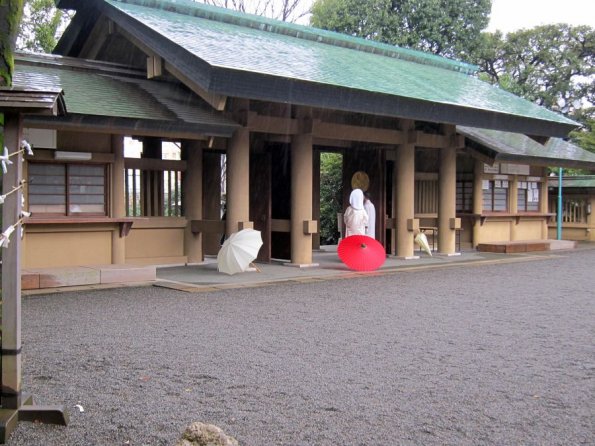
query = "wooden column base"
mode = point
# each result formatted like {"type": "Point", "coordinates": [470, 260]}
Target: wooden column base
{"type": "Point", "coordinates": [30, 412]}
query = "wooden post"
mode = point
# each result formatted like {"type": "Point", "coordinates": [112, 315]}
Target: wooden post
{"type": "Point", "coordinates": [447, 211]}
{"type": "Point", "coordinates": [404, 198]}
{"type": "Point", "coordinates": [193, 199]}
{"type": "Point", "coordinates": [514, 206]}
{"type": "Point", "coordinates": [301, 193]}
{"type": "Point", "coordinates": [11, 270]}
{"type": "Point", "coordinates": [118, 198]}
{"type": "Point", "coordinates": [477, 201]}
{"type": "Point", "coordinates": [15, 406]}
{"type": "Point", "coordinates": [238, 181]}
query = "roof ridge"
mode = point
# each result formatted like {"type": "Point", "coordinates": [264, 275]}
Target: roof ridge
{"type": "Point", "coordinates": [209, 12]}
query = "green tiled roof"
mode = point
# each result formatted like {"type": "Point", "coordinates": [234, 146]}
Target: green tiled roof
{"type": "Point", "coordinates": [582, 181]}
{"type": "Point", "coordinates": [93, 94]}
{"type": "Point", "coordinates": [509, 146]}
{"type": "Point", "coordinates": [252, 44]}
{"type": "Point", "coordinates": [114, 91]}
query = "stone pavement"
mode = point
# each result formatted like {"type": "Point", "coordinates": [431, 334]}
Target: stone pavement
{"type": "Point", "coordinates": [205, 277]}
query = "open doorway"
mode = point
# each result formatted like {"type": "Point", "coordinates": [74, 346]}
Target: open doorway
{"type": "Point", "coordinates": [331, 196]}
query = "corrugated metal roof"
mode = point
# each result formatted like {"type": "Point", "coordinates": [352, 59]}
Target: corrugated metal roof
{"type": "Point", "coordinates": [115, 91]}
{"type": "Point", "coordinates": [516, 147]}
{"type": "Point", "coordinates": [273, 51]}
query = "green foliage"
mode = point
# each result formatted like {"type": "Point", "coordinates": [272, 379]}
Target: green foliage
{"type": "Point", "coordinates": [446, 27]}
{"type": "Point", "coordinates": [551, 65]}
{"type": "Point", "coordinates": [585, 137]}
{"type": "Point", "coordinates": [331, 167]}
{"type": "Point", "coordinates": [41, 24]}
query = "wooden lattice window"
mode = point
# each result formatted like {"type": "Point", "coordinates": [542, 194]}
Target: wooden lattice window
{"type": "Point", "coordinates": [528, 196]}
{"type": "Point", "coordinates": [426, 196]}
{"type": "Point", "coordinates": [465, 196]}
{"type": "Point", "coordinates": [67, 189]}
{"type": "Point", "coordinates": [574, 209]}
{"type": "Point", "coordinates": [495, 195]}
{"type": "Point", "coordinates": [153, 193]}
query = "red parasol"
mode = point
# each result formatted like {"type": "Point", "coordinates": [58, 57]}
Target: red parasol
{"type": "Point", "coordinates": [361, 253]}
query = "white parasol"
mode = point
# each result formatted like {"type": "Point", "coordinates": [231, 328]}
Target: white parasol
{"type": "Point", "coordinates": [422, 242]}
{"type": "Point", "coordinates": [238, 251]}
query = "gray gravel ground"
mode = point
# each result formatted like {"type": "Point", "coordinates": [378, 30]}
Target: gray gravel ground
{"type": "Point", "coordinates": [496, 354]}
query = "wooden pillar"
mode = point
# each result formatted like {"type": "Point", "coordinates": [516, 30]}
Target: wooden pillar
{"type": "Point", "coordinates": [477, 201]}
{"type": "Point", "coordinates": [118, 198]}
{"type": "Point", "coordinates": [316, 199]}
{"type": "Point", "coordinates": [405, 196]}
{"type": "Point", "coordinates": [590, 218]}
{"type": "Point", "coordinates": [152, 181]}
{"type": "Point", "coordinates": [238, 182]}
{"type": "Point", "coordinates": [302, 225]}
{"type": "Point", "coordinates": [11, 269]}
{"type": "Point", "coordinates": [543, 206]}
{"type": "Point", "coordinates": [514, 206]}
{"type": "Point", "coordinates": [447, 185]}
{"type": "Point", "coordinates": [211, 205]}
{"type": "Point", "coordinates": [192, 152]}
{"type": "Point", "coordinates": [15, 406]}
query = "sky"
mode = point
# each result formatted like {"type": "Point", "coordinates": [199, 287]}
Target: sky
{"type": "Point", "coordinates": [510, 15]}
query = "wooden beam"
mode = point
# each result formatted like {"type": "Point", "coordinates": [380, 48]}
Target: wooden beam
{"type": "Point", "coordinates": [154, 67]}
{"type": "Point", "coordinates": [96, 39]}
{"type": "Point", "coordinates": [432, 141]}
{"type": "Point", "coordinates": [154, 164]}
{"type": "Point", "coordinates": [217, 101]}
{"type": "Point", "coordinates": [345, 132]}
{"type": "Point", "coordinates": [271, 124]}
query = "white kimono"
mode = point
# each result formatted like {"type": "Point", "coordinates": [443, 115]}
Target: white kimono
{"type": "Point", "coordinates": [355, 217]}
{"type": "Point", "coordinates": [371, 226]}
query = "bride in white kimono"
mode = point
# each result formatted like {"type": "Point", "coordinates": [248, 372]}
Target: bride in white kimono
{"type": "Point", "coordinates": [355, 217]}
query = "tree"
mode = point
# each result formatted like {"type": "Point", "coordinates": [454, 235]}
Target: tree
{"type": "Point", "coordinates": [331, 169]}
{"type": "Point", "coordinates": [41, 24]}
{"type": "Point", "coordinates": [449, 28]}
{"type": "Point", "coordinates": [285, 10]}
{"type": "Point", "coordinates": [11, 12]}
{"type": "Point", "coordinates": [551, 65]}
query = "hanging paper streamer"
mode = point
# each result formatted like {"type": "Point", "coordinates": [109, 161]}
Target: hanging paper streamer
{"type": "Point", "coordinates": [26, 147]}
{"type": "Point", "coordinates": [14, 189]}
{"type": "Point", "coordinates": [4, 158]}
{"type": "Point", "coordinates": [5, 236]}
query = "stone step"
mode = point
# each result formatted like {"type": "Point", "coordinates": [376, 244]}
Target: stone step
{"type": "Point", "coordinates": [40, 278]}
{"type": "Point", "coordinates": [516, 246]}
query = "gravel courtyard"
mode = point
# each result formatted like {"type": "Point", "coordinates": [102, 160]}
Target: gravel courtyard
{"type": "Point", "coordinates": [495, 354]}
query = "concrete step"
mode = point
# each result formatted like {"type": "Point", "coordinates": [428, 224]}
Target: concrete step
{"type": "Point", "coordinates": [562, 244]}
{"type": "Point", "coordinates": [516, 246]}
{"type": "Point", "coordinates": [40, 278]}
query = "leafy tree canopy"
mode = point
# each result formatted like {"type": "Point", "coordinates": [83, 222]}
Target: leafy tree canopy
{"type": "Point", "coordinates": [552, 65]}
{"type": "Point", "coordinates": [446, 27]}
{"type": "Point", "coordinates": [41, 24]}
{"type": "Point", "coordinates": [286, 10]}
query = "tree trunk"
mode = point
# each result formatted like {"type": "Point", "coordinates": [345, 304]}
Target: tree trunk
{"type": "Point", "coordinates": [10, 18]}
